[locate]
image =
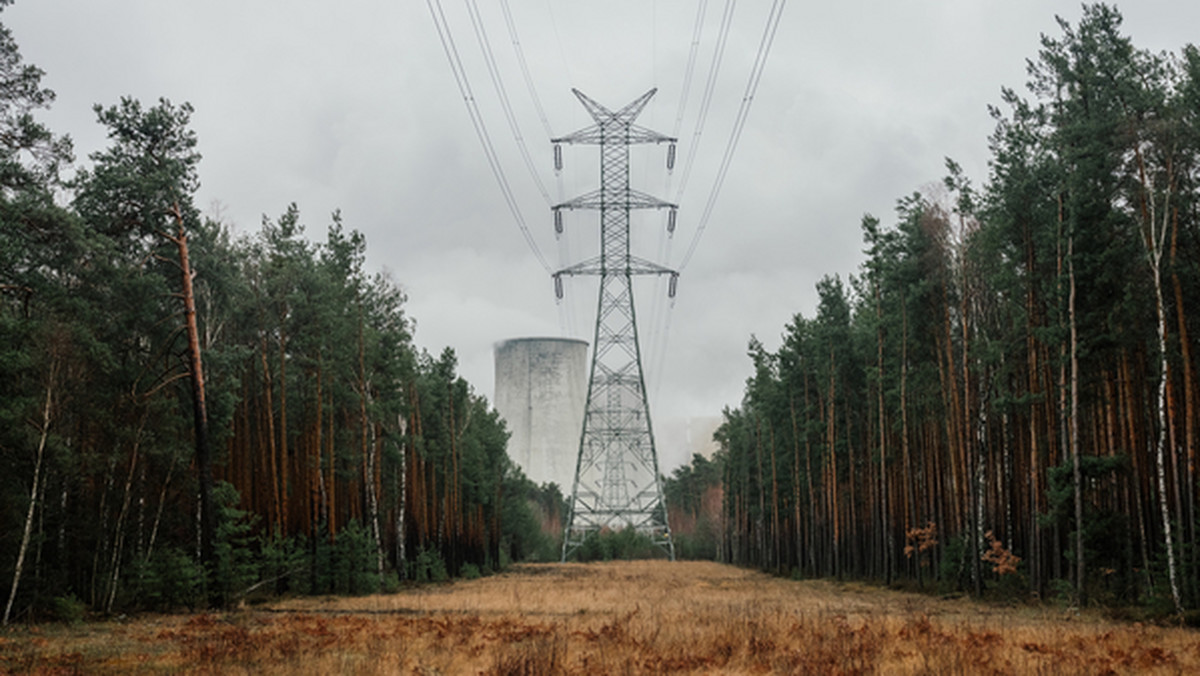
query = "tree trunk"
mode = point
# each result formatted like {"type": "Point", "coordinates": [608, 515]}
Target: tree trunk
{"type": "Point", "coordinates": [316, 474]}
{"type": "Point", "coordinates": [910, 520]}
{"type": "Point", "coordinates": [1076, 474]}
{"type": "Point", "coordinates": [1154, 239]}
{"type": "Point", "coordinates": [331, 502]}
{"type": "Point", "coordinates": [885, 535]}
{"type": "Point", "coordinates": [33, 491]}
{"type": "Point", "coordinates": [1033, 388]}
{"type": "Point", "coordinates": [162, 499]}
{"type": "Point", "coordinates": [284, 457]}
{"type": "Point", "coordinates": [831, 440]}
{"type": "Point", "coordinates": [114, 568]}
{"type": "Point", "coordinates": [813, 495]}
{"type": "Point", "coordinates": [774, 503]}
{"type": "Point", "coordinates": [971, 424]}
{"type": "Point", "coordinates": [796, 526]}
{"type": "Point", "coordinates": [369, 449]}
{"type": "Point", "coordinates": [208, 516]}
{"type": "Point", "coordinates": [1189, 395]}
{"type": "Point", "coordinates": [276, 520]}
{"type": "Point", "coordinates": [1160, 445]}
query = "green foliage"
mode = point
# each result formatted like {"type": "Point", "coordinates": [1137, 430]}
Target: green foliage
{"type": "Point", "coordinates": [238, 562]}
{"type": "Point", "coordinates": [608, 545]}
{"type": "Point", "coordinates": [391, 582]}
{"type": "Point", "coordinates": [470, 572]}
{"type": "Point", "coordinates": [68, 609]}
{"type": "Point", "coordinates": [692, 494]}
{"type": "Point", "coordinates": [303, 349]}
{"type": "Point", "coordinates": [428, 566]}
{"type": "Point", "coordinates": [699, 545]}
{"type": "Point", "coordinates": [172, 579]}
{"type": "Point", "coordinates": [524, 535]}
{"type": "Point", "coordinates": [321, 565]}
{"type": "Point", "coordinates": [954, 568]}
{"type": "Point", "coordinates": [595, 547]}
{"type": "Point", "coordinates": [131, 192]}
{"type": "Point", "coordinates": [937, 386]}
{"type": "Point", "coordinates": [341, 564]}
{"type": "Point", "coordinates": [354, 562]}
{"type": "Point", "coordinates": [1062, 593]}
{"type": "Point", "coordinates": [285, 563]}
{"type": "Point", "coordinates": [1060, 493]}
{"type": "Point", "coordinates": [1010, 588]}
{"type": "Point", "coordinates": [1105, 531]}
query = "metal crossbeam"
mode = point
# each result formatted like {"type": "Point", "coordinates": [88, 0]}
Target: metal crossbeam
{"type": "Point", "coordinates": [617, 482]}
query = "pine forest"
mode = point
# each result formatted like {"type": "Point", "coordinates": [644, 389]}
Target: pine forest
{"type": "Point", "coordinates": [1003, 399]}
{"type": "Point", "coordinates": [187, 417]}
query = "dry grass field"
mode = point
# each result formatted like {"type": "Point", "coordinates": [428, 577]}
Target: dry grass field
{"type": "Point", "coordinates": [612, 618]}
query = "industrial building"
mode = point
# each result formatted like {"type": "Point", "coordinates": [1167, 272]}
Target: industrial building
{"type": "Point", "coordinates": [541, 390]}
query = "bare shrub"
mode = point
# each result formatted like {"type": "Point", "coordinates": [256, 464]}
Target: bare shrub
{"type": "Point", "coordinates": [532, 657]}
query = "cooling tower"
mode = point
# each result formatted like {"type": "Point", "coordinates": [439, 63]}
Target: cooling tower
{"type": "Point", "coordinates": [541, 390]}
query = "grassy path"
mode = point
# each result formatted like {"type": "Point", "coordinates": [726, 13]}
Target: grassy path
{"type": "Point", "coordinates": [620, 617]}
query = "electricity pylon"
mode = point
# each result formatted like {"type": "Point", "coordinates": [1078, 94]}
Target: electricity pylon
{"type": "Point", "coordinates": [617, 483]}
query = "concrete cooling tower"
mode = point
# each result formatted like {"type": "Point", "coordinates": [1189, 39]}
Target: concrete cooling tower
{"type": "Point", "coordinates": [541, 391]}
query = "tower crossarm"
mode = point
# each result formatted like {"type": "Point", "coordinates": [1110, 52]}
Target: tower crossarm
{"type": "Point", "coordinates": [614, 127]}
{"type": "Point", "coordinates": [638, 266]}
{"type": "Point", "coordinates": [603, 134]}
{"type": "Point", "coordinates": [594, 266]}
{"type": "Point", "coordinates": [631, 199]}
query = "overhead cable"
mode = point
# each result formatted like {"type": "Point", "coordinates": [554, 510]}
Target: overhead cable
{"type": "Point", "coordinates": [706, 98]}
{"type": "Point", "coordinates": [512, 34]}
{"type": "Point", "coordinates": [739, 124]}
{"type": "Point", "coordinates": [566, 317]}
{"type": "Point", "coordinates": [464, 88]}
{"type": "Point", "coordinates": [690, 68]}
{"type": "Point", "coordinates": [489, 58]}
{"type": "Point", "coordinates": [666, 237]}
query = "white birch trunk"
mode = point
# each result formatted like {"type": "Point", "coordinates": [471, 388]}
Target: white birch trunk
{"type": "Point", "coordinates": [162, 498]}
{"type": "Point", "coordinates": [373, 503]}
{"type": "Point", "coordinates": [118, 532]}
{"type": "Point", "coordinates": [33, 495]}
{"type": "Point", "coordinates": [1160, 446]}
{"type": "Point", "coordinates": [1154, 238]}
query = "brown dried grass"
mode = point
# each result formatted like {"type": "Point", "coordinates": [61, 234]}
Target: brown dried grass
{"type": "Point", "coordinates": [614, 618]}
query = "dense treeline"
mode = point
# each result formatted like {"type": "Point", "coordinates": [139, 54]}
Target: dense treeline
{"type": "Point", "coordinates": [694, 495]}
{"type": "Point", "coordinates": [1006, 392]}
{"type": "Point", "coordinates": [187, 416]}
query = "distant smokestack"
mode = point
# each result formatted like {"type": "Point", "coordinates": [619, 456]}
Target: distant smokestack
{"type": "Point", "coordinates": [541, 391]}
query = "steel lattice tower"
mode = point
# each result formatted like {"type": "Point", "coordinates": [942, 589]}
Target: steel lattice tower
{"type": "Point", "coordinates": [617, 483]}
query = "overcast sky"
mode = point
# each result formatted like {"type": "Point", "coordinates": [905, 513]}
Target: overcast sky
{"type": "Point", "coordinates": [353, 106]}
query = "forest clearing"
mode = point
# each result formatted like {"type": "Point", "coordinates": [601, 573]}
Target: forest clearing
{"type": "Point", "coordinates": [615, 617]}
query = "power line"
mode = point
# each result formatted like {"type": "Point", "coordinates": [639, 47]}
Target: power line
{"type": "Point", "coordinates": [558, 38]}
{"type": "Point", "coordinates": [666, 238]}
{"type": "Point", "coordinates": [566, 316]}
{"type": "Point", "coordinates": [760, 60]}
{"type": "Point", "coordinates": [464, 88]}
{"type": "Point", "coordinates": [666, 234]}
{"type": "Point", "coordinates": [709, 88]}
{"type": "Point", "coordinates": [660, 317]}
{"type": "Point", "coordinates": [691, 66]}
{"type": "Point", "coordinates": [512, 34]}
{"type": "Point", "coordinates": [494, 72]}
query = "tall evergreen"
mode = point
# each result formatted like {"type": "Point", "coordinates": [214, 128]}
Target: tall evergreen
{"type": "Point", "coordinates": [190, 416]}
{"type": "Point", "coordinates": [1016, 377]}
